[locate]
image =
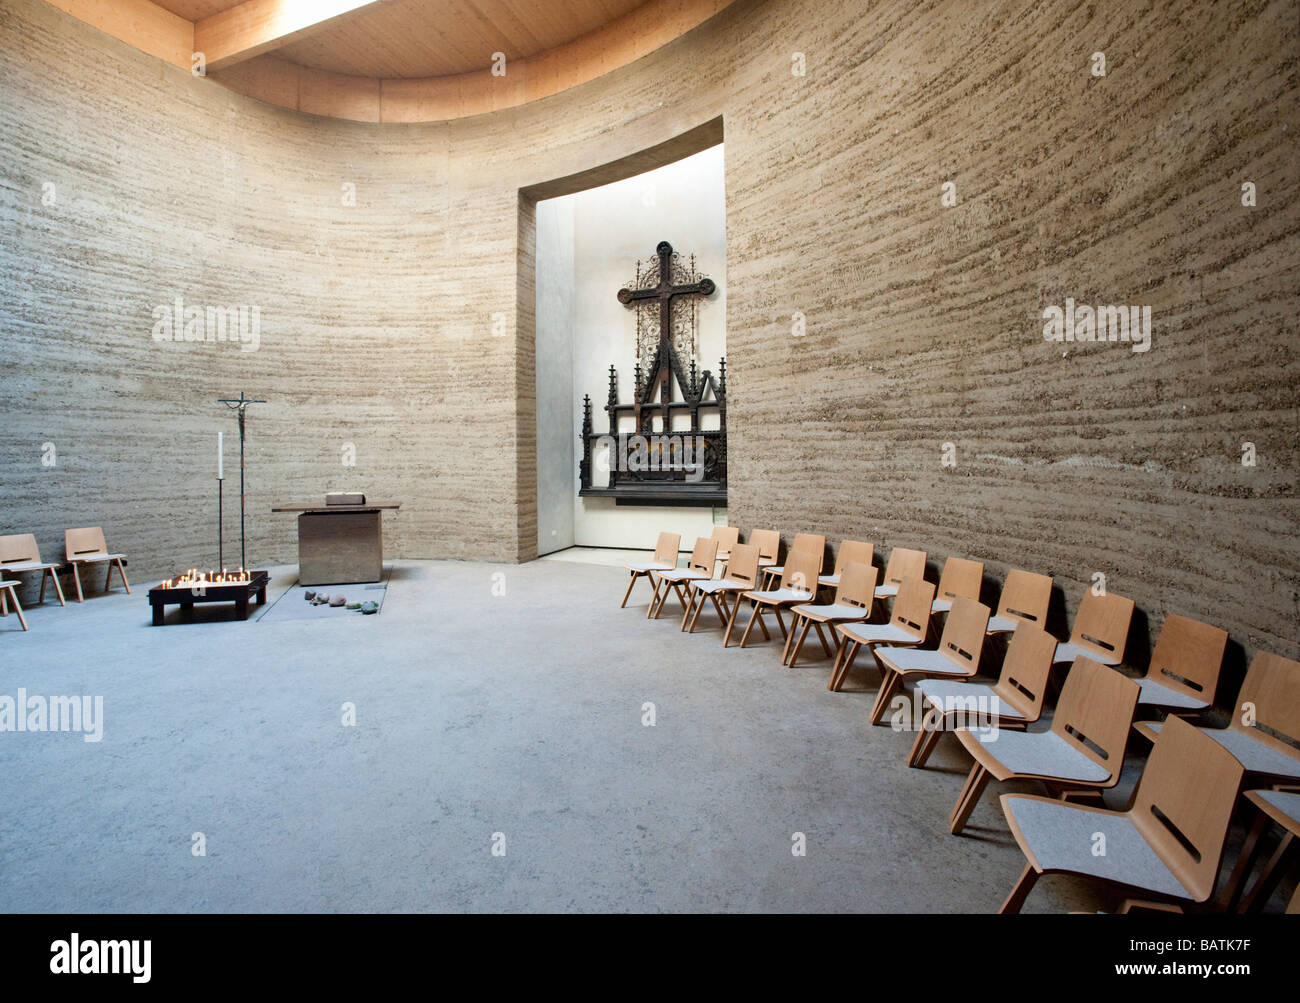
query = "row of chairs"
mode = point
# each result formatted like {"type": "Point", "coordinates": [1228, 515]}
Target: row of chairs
{"type": "Point", "coordinates": [1169, 843]}
{"type": "Point", "coordinates": [85, 547]}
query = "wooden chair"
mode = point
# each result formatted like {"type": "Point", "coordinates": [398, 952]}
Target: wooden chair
{"type": "Point", "coordinates": [907, 626]}
{"type": "Point", "coordinates": [853, 598]}
{"type": "Point", "coordinates": [20, 553]}
{"type": "Point", "coordinates": [959, 577]}
{"type": "Point", "coordinates": [809, 542]}
{"type": "Point", "coordinates": [665, 556]}
{"type": "Point", "coordinates": [725, 537]}
{"type": "Point", "coordinates": [1264, 733]}
{"type": "Point", "coordinates": [700, 569]}
{"type": "Point", "coordinates": [902, 564]}
{"type": "Point", "coordinates": [1184, 671]}
{"type": "Point", "coordinates": [741, 576]}
{"type": "Point", "coordinates": [850, 552]}
{"type": "Point", "coordinates": [768, 542]}
{"type": "Point", "coordinates": [1082, 753]}
{"type": "Point", "coordinates": [1025, 596]}
{"type": "Point", "coordinates": [957, 657]}
{"type": "Point", "coordinates": [1017, 696]}
{"type": "Point", "coordinates": [1281, 808]}
{"type": "Point", "coordinates": [87, 546]}
{"type": "Point", "coordinates": [1100, 629]}
{"type": "Point", "coordinates": [9, 591]}
{"type": "Point", "coordinates": [798, 585]}
{"type": "Point", "coordinates": [1168, 844]}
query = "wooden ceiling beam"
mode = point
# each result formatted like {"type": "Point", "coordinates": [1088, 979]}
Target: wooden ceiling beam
{"type": "Point", "coordinates": [258, 26]}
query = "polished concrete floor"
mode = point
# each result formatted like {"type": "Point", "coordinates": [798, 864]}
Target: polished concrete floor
{"type": "Point", "coordinates": [496, 707]}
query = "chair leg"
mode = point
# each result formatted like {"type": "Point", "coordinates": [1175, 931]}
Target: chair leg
{"type": "Point", "coordinates": [76, 577]}
{"type": "Point", "coordinates": [731, 622]}
{"type": "Point", "coordinates": [1264, 884]}
{"type": "Point", "coordinates": [794, 654]}
{"type": "Point", "coordinates": [923, 735]}
{"type": "Point", "coordinates": [826, 648]}
{"type": "Point", "coordinates": [777, 611]}
{"type": "Point", "coordinates": [970, 796]}
{"type": "Point", "coordinates": [888, 687]}
{"type": "Point", "coordinates": [686, 609]}
{"type": "Point", "coordinates": [1020, 892]}
{"type": "Point", "coordinates": [41, 600]}
{"type": "Point", "coordinates": [122, 573]}
{"type": "Point", "coordinates": [756, 615]}
{"type": "Point", "coordinates": [1246, 859]}
{"type": "Point", "coordinates": [654, 598]}
{"type": "Point", "coordinates": [629, 590]}
{"type": "Point", "coordinates": [4, 602]}
{"type": "Point", "coordinates": [847, 653]}
{"type": "Point", "coordinates": [935, 735]}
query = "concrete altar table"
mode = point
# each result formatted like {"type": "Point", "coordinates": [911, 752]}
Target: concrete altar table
{"type": "Point", "coordinates": [340, 544]}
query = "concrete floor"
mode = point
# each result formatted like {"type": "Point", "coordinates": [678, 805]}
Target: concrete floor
{"type": "Point", "coordinates": [475, 714]}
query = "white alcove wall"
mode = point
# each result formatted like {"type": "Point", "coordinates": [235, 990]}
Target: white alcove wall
{"type": "Point", "coordinates": [587, 248]}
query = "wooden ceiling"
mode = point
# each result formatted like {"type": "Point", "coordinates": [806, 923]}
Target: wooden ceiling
{"type": "Point", "coordinates": [396, 60]}
{"type": "Point", "coordinates": [432, 38]}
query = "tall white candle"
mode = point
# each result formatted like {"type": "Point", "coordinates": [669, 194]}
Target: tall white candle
{"type": "Point", "coordinates": [220, 475]}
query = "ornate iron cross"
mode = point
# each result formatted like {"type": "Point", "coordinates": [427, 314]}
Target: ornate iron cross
{"type": "Point", "coordinates": [665, 292]}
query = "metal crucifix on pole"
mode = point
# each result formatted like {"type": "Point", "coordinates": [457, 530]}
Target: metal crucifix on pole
{"type": "Point", "coordinates": [240, 405]}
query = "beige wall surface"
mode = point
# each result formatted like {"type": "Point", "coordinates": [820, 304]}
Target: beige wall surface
{"type": "Point", "coordinates": [923, 321]}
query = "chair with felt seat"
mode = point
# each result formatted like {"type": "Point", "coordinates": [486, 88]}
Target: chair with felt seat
{"type": "Point", "coordinates": [673, 580]}
{"type": "Point", "coordinates": [19, 554]}
{"type": "Point", "coordinates": [1082, 752]}
{"type": "Point", "coordinates": [87, 547]}
{"type": "Point", "coordinates": [809, 542]}
{"type": "Point", "coordinates": [960, 577]}
{"type": "Point", "coordinates": [1169, 843]}
{"type": "Point", "coordinates": [902, 564]}
{"type": "Point", "coordinates": [741, 576]}
{"type": "Point", "coordinates": [957, 657]}
{"type": "Point", "coordinates": [9, 592]}
{"type": "Point", "coordinates": [1016, 698]}
{"type": "Point", "coordinates": [908, 624]}
{"type": "Point", "coordinates": [849, 552]}
{"type": "Point", "coordinates": [1100, 629]}
{"type": "Point", "coordinates": [1264, 732]}
{"type": "Point", "coordinates": [665, 557]}
{"type": "Point", "coordinates": [1025, 596]}
{"type": "Point", "coordinates": [853, 598]}
{"type": "Point", "coordinates": [1185, 664]}
{"type": "Point", "coordinates": [798, 585]}
{"type": "Point", "coordinates": [725, 537]}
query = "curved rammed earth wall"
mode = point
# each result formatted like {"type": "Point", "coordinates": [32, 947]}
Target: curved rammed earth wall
{"type": "Point", "coordinates": [922, 321]}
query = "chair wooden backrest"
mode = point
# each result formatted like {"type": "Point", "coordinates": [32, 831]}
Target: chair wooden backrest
{"type": "Point", "coordinates": [1022, 683]}
{"type": "Point", "coordinates": [853, 551]}
{"type": "Point", "coordinates": [88, 542]}
{"type": "Point", "coordinates": [801, 570]}
{"type": "Point", "coordinates": [666, 549]}
{"type": "Point", "coordinates": [1025, 596]}
{"type": "Point", "coordinates": [904, 564]}
{"type": "Point", "coordinates": [1095, 712]}
{"type": "Point", "coordinates": [768, 542]}
{"type": "Point", "coordinates": [1268, 708]}
{"type": "Point", "coordinates": [960, 577]}
{"type": "Point", "coordinates": [743, 565]}
{"type": "Point", "coordinates": [912, 605]}
{"type": "Point", "coordinates": [809, 542]}
{"type": "Point", "coordinates": [964, 633]}
{"type": "Point", "coordinates": [19, 549]}
{"type": "Point", "coordinates": [725, 537]}
{"type": "Point", "coordinates": [704, 556]}
{"type": "Point", "coordinates": [1103, 621]}
{"type": "Point", "coordinates": [857, 585]}
{"type": "Point", "coordinates": [1188, 657]}
{"type": "Point", "coordinates": [1184, 802]}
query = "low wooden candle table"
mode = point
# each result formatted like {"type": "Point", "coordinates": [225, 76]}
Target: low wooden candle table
{"type": "Point", "coordinates": [185, 593]}
{"type": "Point", "coordinates": [340, 544]}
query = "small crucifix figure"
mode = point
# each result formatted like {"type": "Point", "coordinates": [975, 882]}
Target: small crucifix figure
{"type": "Point", "coordinates": [240, 405]}
{"type": "Point", "coordinates": [665, 292]}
